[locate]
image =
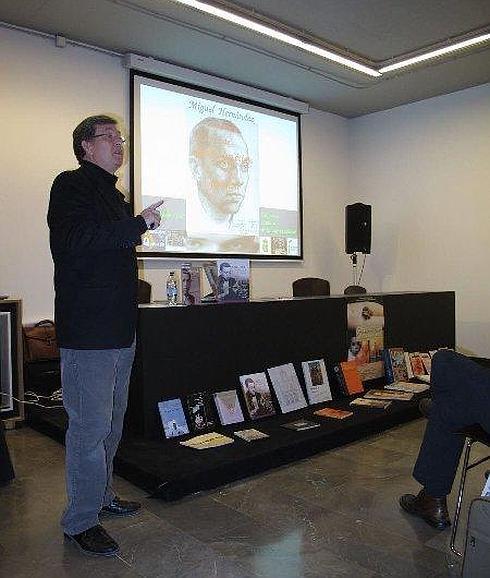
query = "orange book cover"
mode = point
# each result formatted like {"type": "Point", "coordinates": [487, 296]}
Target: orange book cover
{"type": "Point", "coordinates": [332, 412]}
{"type": "Point", "coordinates": [352, 378]}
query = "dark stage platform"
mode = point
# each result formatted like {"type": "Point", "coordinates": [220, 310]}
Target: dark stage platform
{"type": "Point", "coordinates": [182, 350]}
{"type": "Point", "coordinates": [169, 471]}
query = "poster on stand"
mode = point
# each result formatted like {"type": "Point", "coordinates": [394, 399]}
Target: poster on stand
{"type": "Point", "coordinates": [365, 335]}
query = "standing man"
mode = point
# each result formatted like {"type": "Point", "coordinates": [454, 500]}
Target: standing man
{"type": "Point", "coordinates": [92, 238]}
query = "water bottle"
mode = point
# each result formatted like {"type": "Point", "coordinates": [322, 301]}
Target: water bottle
{"type": "Point", "coordinates": [171, 289]}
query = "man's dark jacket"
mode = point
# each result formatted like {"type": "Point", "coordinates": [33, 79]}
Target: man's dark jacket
{"type": "Point", "coordinates": [92, 238]}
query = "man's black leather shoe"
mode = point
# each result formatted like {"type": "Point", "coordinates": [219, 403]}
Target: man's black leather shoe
{"type": "Point", "coordinates": [431, 510]}
{"type": "Point", "coordinates": [425, 406]}
{"type": "Point", "coordinates": [121, 508]}
{"type": "Point", "coordinates": [95, 541]}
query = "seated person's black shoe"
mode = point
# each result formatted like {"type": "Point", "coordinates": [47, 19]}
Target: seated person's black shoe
{"type": "Point", "coordinates": [432, 510]}
{"type": "Point", "coordinates": [425, 405]}
{"type": "Point", "coordinates": [95, 541]}
{"type": "Point", "coordinates": [120, 507]}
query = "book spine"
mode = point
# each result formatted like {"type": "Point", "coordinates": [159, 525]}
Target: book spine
{"type": "Point", "coordinates": [340, 379]}
{"type": "Point", "coordinates": [386, 357]}
{"type": "Point", "coordinates": [408, 365]}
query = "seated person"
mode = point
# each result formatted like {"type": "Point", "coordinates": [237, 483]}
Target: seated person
{"type": "Point", "coordinates": [460, 398]}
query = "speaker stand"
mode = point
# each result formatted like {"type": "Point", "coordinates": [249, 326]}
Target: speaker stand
{"type": "Point", "coordinates": [354, 288]}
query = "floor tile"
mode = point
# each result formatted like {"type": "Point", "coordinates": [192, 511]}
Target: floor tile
{"type": "Point", "coordinates": [335, 514]}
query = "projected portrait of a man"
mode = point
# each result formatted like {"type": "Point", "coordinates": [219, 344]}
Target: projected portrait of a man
{"type": "Point", "coordinates": [220, 165]}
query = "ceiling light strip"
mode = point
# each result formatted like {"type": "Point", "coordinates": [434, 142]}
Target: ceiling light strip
{"type": "Point", "coordinates": [276, 34]}
{"type": "Point", "coordinates": [435, 53]}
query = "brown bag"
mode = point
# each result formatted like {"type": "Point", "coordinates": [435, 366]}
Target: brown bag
{"type": "Point", "coordinates": [40, 341]}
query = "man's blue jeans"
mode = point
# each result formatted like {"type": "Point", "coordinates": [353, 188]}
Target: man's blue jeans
{"type": "Point", "coordinates": [95, 394]}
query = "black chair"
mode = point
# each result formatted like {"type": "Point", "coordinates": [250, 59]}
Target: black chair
{"type": "Point", "coordinates": [144, 291]}
{"type": "Point", "coordinates": [310, 287]}
{"type": "Point", "coordinates": [473, 434]}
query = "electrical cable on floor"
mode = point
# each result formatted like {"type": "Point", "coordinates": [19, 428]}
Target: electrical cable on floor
{"type": "Point", "coordinates": [31, 398]}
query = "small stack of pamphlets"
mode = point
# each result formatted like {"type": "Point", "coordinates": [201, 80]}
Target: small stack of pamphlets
{"type": "Point", "coordinates": [250, 435]}
{"type": "Point", "coordinates": [301, 424]}
{"type": "Point", "coordinates": [373, 403]}
{"type": "Point", "coordinates": [209, 440]}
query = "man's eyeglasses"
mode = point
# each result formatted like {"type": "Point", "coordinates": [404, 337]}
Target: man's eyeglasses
{"type": "Point", "coordinates": [111, 137]}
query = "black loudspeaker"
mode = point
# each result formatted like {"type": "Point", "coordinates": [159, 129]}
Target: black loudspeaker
{"type": "Point", "coordinates": [357, 228]}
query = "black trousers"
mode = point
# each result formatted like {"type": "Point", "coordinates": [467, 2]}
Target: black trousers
{"type": "Point", "coordinates": [460, 398]}
{"type": "Point", "coordinates": [6, 469]}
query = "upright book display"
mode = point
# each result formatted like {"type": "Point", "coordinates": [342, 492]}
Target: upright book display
{"type": "Point", "coordinates": [316, 380]}
{"type": "Point", "coordinates": [228, 407]}
{"type": "Point", "coordinates": [287, 388]}
{"type": "Point", "coordinates": [257, 395]}
{"type": "Point", "coordinates": [173, 418]}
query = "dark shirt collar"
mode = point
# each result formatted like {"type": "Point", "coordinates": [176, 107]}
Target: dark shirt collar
{"type": "Point", "coordinates": [107, 178]}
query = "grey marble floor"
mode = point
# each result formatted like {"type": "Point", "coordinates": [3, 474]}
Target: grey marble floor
{"type": "Point", "coordinates": [333, 515]}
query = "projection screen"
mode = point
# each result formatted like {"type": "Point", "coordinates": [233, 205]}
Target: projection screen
{"type": "Point", "coordinates": [229, 171]}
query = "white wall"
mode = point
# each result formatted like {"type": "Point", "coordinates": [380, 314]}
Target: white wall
{"type": "Point", "coordinates": [425, 168]}
{"type": "Point", "coordinates": [45, 91]}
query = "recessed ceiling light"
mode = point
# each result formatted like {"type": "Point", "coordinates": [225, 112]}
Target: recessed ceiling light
{"type": "Point", "coordinates": [435, 53]}
{"type": "Point", "coordinates": [278, 35]}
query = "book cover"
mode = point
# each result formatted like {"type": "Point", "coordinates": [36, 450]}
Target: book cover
{"type": "Point", "coordinates": [301, 424]}
{"type": "Point", "coordinates": [408, 386]}
{"type": "Point", "coordinates": [250, 435]}
{"type": "Point", "coordinates": [417, 364]}
{"type": "Point", "coordinates": [173, 418]}
{"type": "Point", "coordinates": [287, 388]}
{"type": "Point", "coordinates": [398, 364]}
{"type": "Point", "coordinates": [408, 365]}
{"type": "Point", "coordinates": [333, 413]}
{"type": "Point", "coordinates": [209, 440]}
{"type": "Point", "coordinates": [316, 380]}
{"type": "Point", "coordinates": [211, 272]}
{"type": "Point", "coordinates": [228, 406]}
{"type": "Point", "coordinates": [353, 382]}
{"type": "Point", "coordinates": [427, 362]}
{"type": "Point", "coordinates": [257, 395]}
{"type": "Point", "coordinates": [373, 403]}
{"type": "Point", "coordinates": [200, 411]}
{"type": "Point", "coordinates": [339, 376]}
{"type": "Point", "coordinates": [388, 369]}
{"type": "Point", "coordinates": [190, 278]}
{"type": "Point", "coordinates": [388, 395]}
{"type": "Point", "coordinates": [233, 279]}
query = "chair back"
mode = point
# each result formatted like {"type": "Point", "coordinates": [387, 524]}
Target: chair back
{"type": "Point", "coordinates": [310, 287]}
{"type": "Point", "coordinates": [144, 291]}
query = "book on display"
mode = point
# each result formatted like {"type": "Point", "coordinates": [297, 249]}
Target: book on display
{"type": "Point", "coordinates": [208, 440]}
{"type": "Point", "coordinates": [250, 435]}
{"type": "Point", "coordinates": [199, 407]}
{"type": "Point", "coordinates": [301, 424]}
{"type": "Point", "coordinates": [372, 403]}
{"type": "Point", "coordinates": [316, 380]}
{"type": "Point", "coordinates": [228, 406]}
{"type": "Point", "coordinates": [287, 388]}
{"type": "Point", "coordinates": [173, 418]}
{"type": "Point", "coordinates": [333, 413]}
{"type": "Point", "coordinates": [257, 395]}
{"type": "Point", "coordinates": [388, 395]}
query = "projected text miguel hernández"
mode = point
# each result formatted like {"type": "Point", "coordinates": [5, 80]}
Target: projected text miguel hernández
{"type": "Point", "coordinates": [215, 110]}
